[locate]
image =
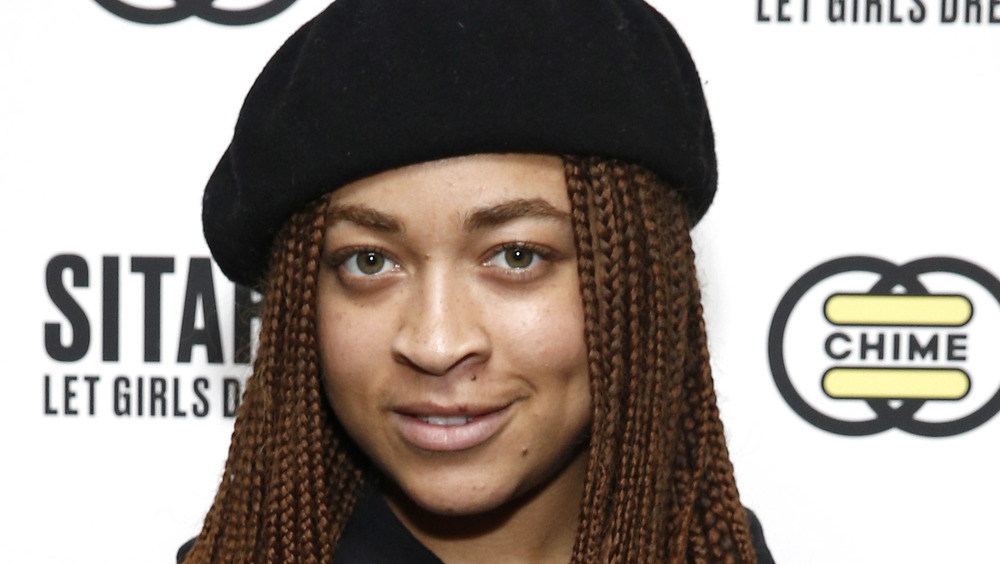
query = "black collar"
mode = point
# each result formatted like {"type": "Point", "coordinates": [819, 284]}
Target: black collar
{"type": "Point", "coordinates": [374, 535]}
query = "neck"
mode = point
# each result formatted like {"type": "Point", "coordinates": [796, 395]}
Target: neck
{"type": "Point", "coordinates": [538, 527]}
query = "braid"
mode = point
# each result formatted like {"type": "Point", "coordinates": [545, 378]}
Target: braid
{"type": "Point", "coordinates": [289, 484]}
{"type": "Point", "coordinates": [659, 484]}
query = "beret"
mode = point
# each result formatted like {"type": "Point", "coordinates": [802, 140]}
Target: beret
{"type": "Point", "coordinates": [371, 85]}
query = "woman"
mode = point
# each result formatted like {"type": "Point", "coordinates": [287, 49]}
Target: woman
{"type": "Point", "coordinates": [475, 346]}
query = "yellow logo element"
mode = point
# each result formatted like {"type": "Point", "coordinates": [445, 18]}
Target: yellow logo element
{"type": "Point", "coordinates": [896, 383]}
{"type": "Point", "coordinates": [898, 309]}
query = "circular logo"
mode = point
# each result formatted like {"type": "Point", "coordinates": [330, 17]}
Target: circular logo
{"type": "Point", "coordinates": [859, 345]}
{"type": "Point", "coordinates": [203, 9]}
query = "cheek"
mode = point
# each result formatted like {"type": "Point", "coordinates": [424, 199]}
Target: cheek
{"type": "Point", "coordinates": [350, 334]}
{"type": "Point", "coordinates": [343, 342]}
{"type": "Point", "coordinates": [546, 332]}
{"type": "Point", "coordinates": [335, 341]}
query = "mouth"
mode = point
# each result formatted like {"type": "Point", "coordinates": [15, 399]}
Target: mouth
{"type": "Point", "coordinates": [437, 429]}
{"type": "Point", "coordinates": [445, 420]}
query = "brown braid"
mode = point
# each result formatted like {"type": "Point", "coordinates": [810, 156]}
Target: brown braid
{"type": "Point", "coordinates": [659, 485]}
{"type": "Point", "coordinates": [290, 481]}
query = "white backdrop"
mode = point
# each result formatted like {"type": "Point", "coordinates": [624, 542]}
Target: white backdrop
{"type": "Point", "coordinates": [874, 139]}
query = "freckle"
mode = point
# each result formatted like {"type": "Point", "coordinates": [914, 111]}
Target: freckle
{"type": "Point", "coordinates": [524, 451]}
{"type": "Point", "coordinates": [473, 377]}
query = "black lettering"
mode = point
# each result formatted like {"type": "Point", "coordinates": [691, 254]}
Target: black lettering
{"type": "Point", "coordinates": [110, 308]}
{"type": "Point", "coordinates": [877, 4]}
{"type": "Point", "coordinates": [878, 346]}
{"type": "Point", "coordinates": [760, 12]}
{"type": "Point", "coordinates": [200, 288]}
{"type": "Point", "coordinates": [956, 346]}
{"type": "Point", "coordinates": [79, 341]}
{"type": "Point", "coordinates": [178, 412]}
{"type": "Point", "coordinates": [969, 5]}
{"type": "Point", "coordinates": [91, 382]}
{"type": "Point", "coordinates": [829, 346]}
{"type": "Point", "coordinates": [152, 269]}
{"type": "Point", "coordinates": [49, 410]}
{"type": "Point", "coordinates": [805, 11]}
{"type": "Point", "coordinates": [68, 395]}
{"type": "Point", "coordinates": [157, 396]}
{"type": "Point", "coordinates": [139, 396]}
{"type": "Point", "coordinates": [994, 16]}
{"type": "Point", "coordinates": [945, 16]}
{"type": "Point", "coordinates": [248, 304]}
{"type": "Point", "coordinates": [123, 396]}
{"type": "Point", "coordinates": [782, 16]}
{"type": "Point", "coordinates": [893, 18]}
{"type": "Point", "coordinates": [895, 346]}
{"type": "Point", "coordinates": [230, 396]}
{"type": "Point", "coordinates": [919, 12]}
{"type": "Point", "coordinates": [836, 10]}
{"type": "Point", "coordinates": [854, 11]}
{"type": "Point", "coordinates": [930, 349]}
{"type": "Point", "coordinates": [200, 387]}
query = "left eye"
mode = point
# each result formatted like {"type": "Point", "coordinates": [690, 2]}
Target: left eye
{"type": "Point", "coordinates": [514, 257]}
{"type": "Point", "coordinates": [368, 263]}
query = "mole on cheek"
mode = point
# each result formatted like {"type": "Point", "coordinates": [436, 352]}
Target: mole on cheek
{"type": "Point", "coordinates": [524, 451]}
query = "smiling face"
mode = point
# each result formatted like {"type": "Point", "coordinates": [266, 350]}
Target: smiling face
{"type": "Point", "coordinates": [452, 333]}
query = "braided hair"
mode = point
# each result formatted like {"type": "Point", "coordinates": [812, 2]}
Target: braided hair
{"type": "Point", "coordinates": [659, 485]}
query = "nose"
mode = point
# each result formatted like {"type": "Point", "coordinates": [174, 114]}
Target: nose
{"type": "Point", "coordinates": [441, 329]}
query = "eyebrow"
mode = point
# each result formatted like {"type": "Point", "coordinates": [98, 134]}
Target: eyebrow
{"type": "Point", "coordinates": [364, 216]}
{"type": "Point", "coordinates": [494, 216]}
{"type": "Point", "coordinates": [479, 219]}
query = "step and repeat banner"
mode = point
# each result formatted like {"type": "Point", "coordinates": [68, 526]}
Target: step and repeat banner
{"type": "Point", "coordinates": [850, 267]}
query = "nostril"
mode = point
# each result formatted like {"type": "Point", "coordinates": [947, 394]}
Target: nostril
{"type": "Point", "coordinates": [405, 361]}
{"type": "Point", "coordinates": [461, 361]}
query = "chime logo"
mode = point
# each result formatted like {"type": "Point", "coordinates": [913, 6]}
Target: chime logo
{"type": "Point", "coordinates": [859, 345]}
{"type": "Point", "coordinates": [204, 9]}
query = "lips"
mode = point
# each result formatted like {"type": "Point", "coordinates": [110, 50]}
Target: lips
{"type": "Point", "coordinates": [440, 429]}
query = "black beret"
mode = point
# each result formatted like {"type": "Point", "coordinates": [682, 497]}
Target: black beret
{"type": "Point", "coordinates": [372, 85]}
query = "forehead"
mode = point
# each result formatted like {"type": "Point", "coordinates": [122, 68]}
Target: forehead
{"type": "Point", "coordinates": [459, 184]}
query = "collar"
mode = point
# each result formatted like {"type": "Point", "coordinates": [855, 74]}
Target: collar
{"type": "Point", "coordinates": [374, 535]}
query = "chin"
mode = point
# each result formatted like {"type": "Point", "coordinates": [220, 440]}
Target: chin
{"type": "Point", "coordinates": [458, 507]}
{"type": "Point", "coordinates": [485, 489]}
{"type": "Point", "coordinates": [451, 498]}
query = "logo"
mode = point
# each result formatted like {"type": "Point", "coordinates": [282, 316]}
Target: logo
{"type": "Point", "coordinates": [204, 9]}
{"type": "Point", "coordinates": [144, 336]}
{"type": "Point", "coordinates": [868, 12]}
{"type": "Point", "coordinates": [859, 345]}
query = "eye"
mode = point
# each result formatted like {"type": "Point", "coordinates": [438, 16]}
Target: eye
{"type": "Point", "coordinates": [368, 263]}
{"type": "Point", "coordinates": [517, 257]}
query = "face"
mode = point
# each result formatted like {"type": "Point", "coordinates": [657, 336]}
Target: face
{"type": "Point", "coordinates": [451, 329]}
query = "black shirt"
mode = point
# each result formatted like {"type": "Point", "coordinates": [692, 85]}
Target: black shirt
{"type": "Point", "coordinates": [374, 535]}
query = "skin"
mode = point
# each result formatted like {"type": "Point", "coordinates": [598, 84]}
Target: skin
{"type": "Point", "coordinates": [449, 294]}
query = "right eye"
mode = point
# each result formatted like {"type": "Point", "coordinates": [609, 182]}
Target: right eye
{"type": "Point", "coordinates": [368, 263]}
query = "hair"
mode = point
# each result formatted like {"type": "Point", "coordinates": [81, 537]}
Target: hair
{"type": "Point", "coordinates": [659, 485]}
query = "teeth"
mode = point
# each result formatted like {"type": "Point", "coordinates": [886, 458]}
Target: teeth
{"type": "Point", "coordinates": [446, 420]}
